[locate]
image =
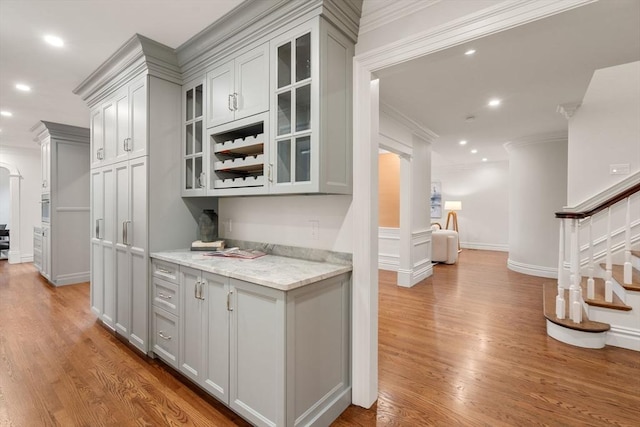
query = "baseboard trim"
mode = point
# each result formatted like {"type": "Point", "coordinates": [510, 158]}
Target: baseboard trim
{"type": "Point", "coordinates": [71, 279]}
{"type": "Point", "coordinates": [485, 246]}
{"type": "Point", "coordinates": [624, 338]}
{"type": "Point", "coordinates": [26, 258]}
{"type": "Point", "coordinates": [532, 270]}
{"type": "Point", "coordinates": [388, 262]}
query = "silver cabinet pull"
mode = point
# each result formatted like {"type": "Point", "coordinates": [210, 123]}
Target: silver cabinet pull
{"type": "Point", "coordinates": [200, 291]}
{"type": "Point", "coordinates": [124, 232]}
{"type": "Point", "coordinates": [164, 296]}
{"type": "Point", "coordinates": [127, 145]}
{"type": "Point", "coordinates": [162, 335]}
{"type": "Point", "coordinates": [235, 101]}
{"type": "Point", "coordinates": [230, 102]}
{"type": "Point", "coordinates": [162, 270]}
{"type": "Point", "coordinates": [97, 228]}
{"type": "Point", "coordinates": [100, 154]}
{"type": "Point", "coordinates": [270, 173]}
{"type": "Point", "coordinates": [229, 308]}
{"type": "Point", "coordinates": [195, 290]}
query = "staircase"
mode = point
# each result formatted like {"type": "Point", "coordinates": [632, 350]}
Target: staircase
{"type": "Point", "coordinates": [596, 301]}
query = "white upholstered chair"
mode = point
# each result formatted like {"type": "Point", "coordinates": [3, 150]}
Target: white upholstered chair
{"type": "Point", "coordinates": [444, 245]}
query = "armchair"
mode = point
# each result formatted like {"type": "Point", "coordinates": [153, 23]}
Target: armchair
{"type": "Point", "coordinates": [444, 245]}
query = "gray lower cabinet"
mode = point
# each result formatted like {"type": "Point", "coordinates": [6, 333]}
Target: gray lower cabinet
{"type": "Point", "coordinates": [277, 358]}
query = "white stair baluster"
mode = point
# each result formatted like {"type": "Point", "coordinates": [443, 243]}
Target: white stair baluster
{"type": "Point", "coordinates": [608, 284]}
{"type": "Point", "coordinates": [627, 245]}
{"type": "Point", "coordinates": [560, 303]}
{"type": "Point", "coordinates": [575, 290]}
{"type": "Point", "coordinates": [590, 283]}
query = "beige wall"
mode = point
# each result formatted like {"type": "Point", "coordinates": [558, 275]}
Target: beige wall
{"type": "Point", "coordinates": [389, 190]}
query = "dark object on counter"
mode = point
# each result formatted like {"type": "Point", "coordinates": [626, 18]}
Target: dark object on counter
{"type": "Point", "coordinates": [208, 225]}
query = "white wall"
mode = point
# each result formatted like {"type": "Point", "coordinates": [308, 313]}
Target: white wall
{"type": "Point", "coordinates": [27, 161]}
{"type": "Point", "coordinates": [604, 131]}
{"type": "Point", "coordinates": [483, 189]}
{"type": "Point", "coordinates": [5, 200]}
{"type": "Point", "coordinates": [538, 176]}
{"type": "Point", "coordinates": [287, 220]}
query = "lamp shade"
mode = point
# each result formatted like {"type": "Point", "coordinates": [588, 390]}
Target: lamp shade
{"type": "Point", "coordinates": [453, 205]}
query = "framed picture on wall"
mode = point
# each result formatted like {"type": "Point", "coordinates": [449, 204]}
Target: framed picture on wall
{"type": "Point", "coordinates": [436, 199]}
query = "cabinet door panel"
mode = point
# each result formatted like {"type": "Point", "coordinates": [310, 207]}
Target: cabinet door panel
{"type": "Point", "coordinates": [97, 286]}
{"type": "Point", "coordinates": [252, 82]}
{"type": "Point", "coordinates": [97, 136]}
{"type": "Point", "coordinates": [257, 353]}
{"type": "Point", "coordinates": [191, 325]}
{"type": "Point", "coordinates": [139, 300]}
{"type": "Point", "coordinates": [137, 228]}
{"type": "Point", "coordinates": [165, 336]}
{"type": "Point", "coordinates": [110, 131]}
{"type": "Point", "coordinates": [138, 118]}
{"type": "Point", "coordinates": [220, 87]}
{"type": "Point", "coordinates": [216, 336]}
{"type": "Point", "coordinates": [122, 124]}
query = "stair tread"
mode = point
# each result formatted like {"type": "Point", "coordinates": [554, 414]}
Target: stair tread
{"type": "Point", "coordinates": [599, 301]}
{"type": "Point", "coordinates": [618, 274]}
{"type": "Point", "coordinates": [550, 290]}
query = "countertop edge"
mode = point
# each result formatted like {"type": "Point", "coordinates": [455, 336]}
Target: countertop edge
{"type": "Point", "coordinates": [239, 274]}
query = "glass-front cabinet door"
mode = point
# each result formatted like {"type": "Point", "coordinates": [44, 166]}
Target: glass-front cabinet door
{"type": "Point", "coordinates": [194, 159]}
{"type": "Point", "coordinates": [295, 90]}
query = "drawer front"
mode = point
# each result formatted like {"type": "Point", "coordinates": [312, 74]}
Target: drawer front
{"type": "Point", "coordinates": [37, 243]}
{"type": "Point", "coordinates": [166, 270]}
{"type": "Point", "coordinates": [166, 295]}
{"type": "Point", "coordinates": [165, 336]}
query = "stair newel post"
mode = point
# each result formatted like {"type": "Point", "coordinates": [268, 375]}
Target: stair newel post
{"type": "Point", "coordinates": [560, 303]}
{"type": "Point", "coordinates": [575, 290]}
{"type": "Point", "coordinates": [590, 282]}
{"type": "Point", "coordinates": [627, 245]}
{"type": "Point", "coordinates": [608, 284]}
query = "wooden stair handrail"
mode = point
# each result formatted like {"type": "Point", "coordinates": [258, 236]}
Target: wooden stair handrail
{"type": "Point", "coordinates": [604, 205]}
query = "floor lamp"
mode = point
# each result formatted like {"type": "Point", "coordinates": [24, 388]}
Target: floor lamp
{"type": "Point", "coordinates": [453, 206]}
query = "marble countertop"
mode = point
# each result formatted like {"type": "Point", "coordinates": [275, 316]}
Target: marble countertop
{"type": "Point", "coordinates": [276, 272]}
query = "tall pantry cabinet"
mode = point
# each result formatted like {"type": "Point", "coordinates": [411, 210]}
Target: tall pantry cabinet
{"type": "Point", "coordinates": [63, 243]}
{"type": "Point", "coordinates": [135, 180]}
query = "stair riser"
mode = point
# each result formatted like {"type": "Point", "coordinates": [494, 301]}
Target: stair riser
{"type": "Point", "coordinates": [635, 262]}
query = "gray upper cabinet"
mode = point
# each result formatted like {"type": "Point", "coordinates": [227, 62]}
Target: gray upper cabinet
{"type": "Point", "coordinates": [239, 88]}
{"type": "Point", "coordinates": [194, 149]}
{"type": "Point", "coordinates": [311, 147]}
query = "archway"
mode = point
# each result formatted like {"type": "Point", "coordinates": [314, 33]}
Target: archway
{"type": "Point", "coordinates": [14, 214]}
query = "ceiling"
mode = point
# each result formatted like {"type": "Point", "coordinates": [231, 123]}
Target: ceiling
{"type": "Point", "coordinates": [532, 69]}
{"type": "Point", "coordinates": [92, 30]}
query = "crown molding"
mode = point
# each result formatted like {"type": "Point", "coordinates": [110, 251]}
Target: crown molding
{"type": "Point", "coordinates": [254, 21]}
{"type": "Point", "coordinates": [503, 16]}
{"type": "Point", "coordinates": [541, 138]}
{"type": "Point", "coordinates": [59, 131]}
{"type": "Point", "coordinates": [138, 55]}
{"type": "Point", "coordinates": [392, 11]}
{"type": "Point", "coordinates": [416, 128]}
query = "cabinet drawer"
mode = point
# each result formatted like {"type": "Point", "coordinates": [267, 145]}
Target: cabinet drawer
{"type": "Point", "coordinates": [37, 244]}
{"type": "Point", "coordinates": [166, 295]}
{"type": "Point", "coordinates": [165, 336]}
{"type": "Point", "coordinates": [166, 271]}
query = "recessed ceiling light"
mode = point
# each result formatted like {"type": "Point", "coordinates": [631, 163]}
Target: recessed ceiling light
{"type": "Point", "coordinates": [484, 159]}
{"type": "Point", "coordinates": [494, 102]}
{"type": "Point", "coordinates": [54, 40]}
{"type": "Point", "coordinates": [463, 142]}
{"type": "Point", "coordinates": [474, 151]}
{"type": "Point", "coordinates": [470, 52]}
{"type": "Point", "coordinates": [23, 87]}
{"type": "Point", "coordinates": [6, 113]}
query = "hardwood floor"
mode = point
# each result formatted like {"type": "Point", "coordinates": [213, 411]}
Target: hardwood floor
{"type": "Point", "coordinates": [465, 347]}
